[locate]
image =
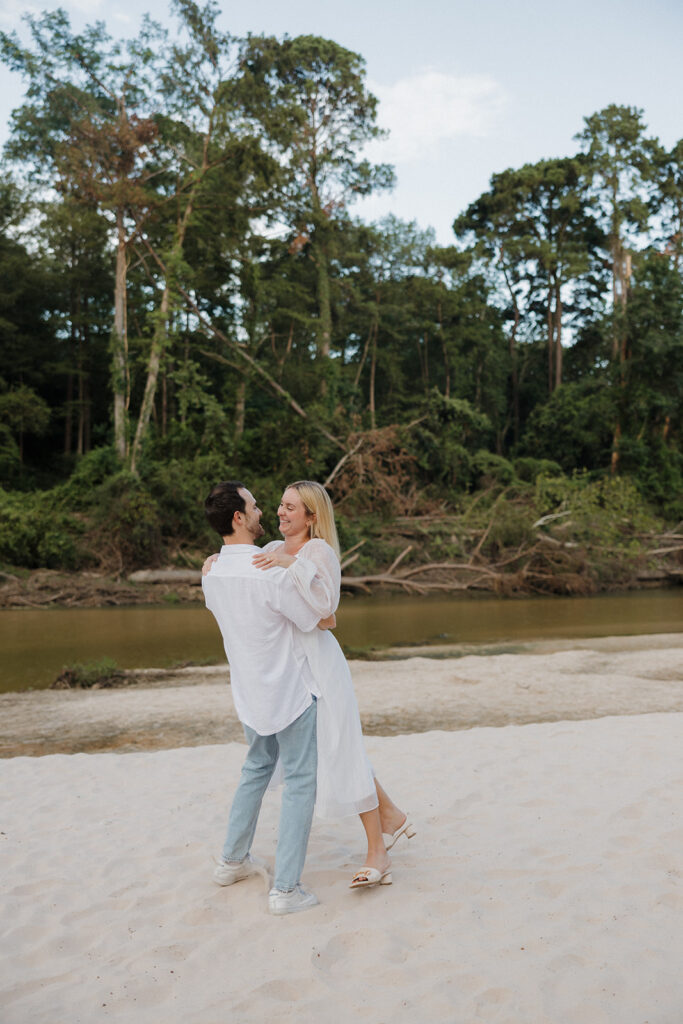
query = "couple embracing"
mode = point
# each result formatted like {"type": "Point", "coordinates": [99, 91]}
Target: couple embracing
{"type": "Point", "coordinates": [292, 688]}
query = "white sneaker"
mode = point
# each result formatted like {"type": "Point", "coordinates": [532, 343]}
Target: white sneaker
{"type": "Point", "coordinates": [226, 874]}
{"type": "Point", "coordinates": [280, 902]}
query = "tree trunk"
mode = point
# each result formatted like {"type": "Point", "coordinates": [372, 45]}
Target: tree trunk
{"type": "Point", "coordinates": [616, 438]}
{"type": "Point", "coordinates": [164, 405]}
{"type": "Point", "coordinates": [551, 340]}
{"type": "Point", "coordinates": [68, 419]}
{"type": "Point", "coordinates": [447, 390]}
{"type": "Point", "coordinates": [324, 307]}
{"type": "Point", "coordinates": [373, 367]}
{"type": "Point", "coordinates": [514, 376]}
{"type": "Point", "coordinates": [87, 439]}
{"type": "Point", "coordinates": [240, 406]}
{"type": "Point", "coordinates": [81, 396]}
{"type": "Point", "coordinates": [85, 332]}
{"type": "Point", "coordinates": [558, 336]}
{"type": "Point", "coordinates": [119, 344]}
{"type": "Point", "coordinates": [159, 341]}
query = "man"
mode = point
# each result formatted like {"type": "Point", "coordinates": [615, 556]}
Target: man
{"type": "Point", "coordinates": [272, 687]}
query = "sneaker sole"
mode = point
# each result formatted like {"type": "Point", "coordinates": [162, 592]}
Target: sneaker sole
{"type": "Point", "coordinates": [280, 912]}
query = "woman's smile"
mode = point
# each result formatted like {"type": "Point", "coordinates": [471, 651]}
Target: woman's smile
{"type": "Point", "coordinates": [292, 514]}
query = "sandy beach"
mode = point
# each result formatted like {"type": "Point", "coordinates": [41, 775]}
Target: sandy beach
{"type": "Point", "coordinates": [545, 885]}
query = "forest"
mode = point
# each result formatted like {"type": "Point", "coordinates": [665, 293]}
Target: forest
{"type": "Point", "coordinates": [187, 296]}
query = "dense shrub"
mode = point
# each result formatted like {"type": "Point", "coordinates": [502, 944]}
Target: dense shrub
{"type": "Point", "coordinates": [490, 468]}
{"type": "Point", "coordinates": [528, 469]}
{"type": "Point", "coordinates": [129, 523]}
{"type": "Point", "coordinates": [34, 533]}
{"type": "Point", "coordinates": [93, 675]}
{"type": "Point", "coordinates": [608, 510]}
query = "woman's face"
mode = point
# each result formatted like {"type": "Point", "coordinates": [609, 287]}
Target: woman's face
{"type": "Point", "coordinates": [294, 519]}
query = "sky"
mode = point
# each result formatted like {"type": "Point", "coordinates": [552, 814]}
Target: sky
{"type": "Point", "coordinates": [466, 89]}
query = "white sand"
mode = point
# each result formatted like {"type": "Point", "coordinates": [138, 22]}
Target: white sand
{"type": "Point", "coordinates": [545, 885]}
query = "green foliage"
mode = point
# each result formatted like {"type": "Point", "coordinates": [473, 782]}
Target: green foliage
{"type": "Point", "coordinates": [9, 454]}
{"type": "Point", "coordinates": [657, 472]}
{"type": "Point", "coordinates": [103, 672]}
{"type": "Point", "coordinates": [445, 438]}
{"type": "Point", "coordinates": [574, 427]}
{"type": "Point", "coordinates": [528, 469]}
{"type": "Point", "coordinates": [489, 468]}
{"type": "Point", "coordinates": [35, 534]}
{"type": "Point", "coordinates": [128, 521]}
{"type": "Point", "coordinates": [24, 411]}
{"type": "Point", "coordinates": [511, 527]}
{"type": "Point", "coordinates": [91, 472]}
{"type": "Point", "coordinates": [549, 340]}
{"type": "Point", "coordinates": [607, 511]}
{"type": "Point", "coordinates": [178, 489]}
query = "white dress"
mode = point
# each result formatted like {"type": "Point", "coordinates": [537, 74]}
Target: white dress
{"type": "Point", "coordinates": [346, 783]}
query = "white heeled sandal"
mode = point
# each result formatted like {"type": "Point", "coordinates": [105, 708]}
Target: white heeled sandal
{"type": "Point", "coordinates": [366, 877]}
{"type": "Point", "coordinates": [406, 829]}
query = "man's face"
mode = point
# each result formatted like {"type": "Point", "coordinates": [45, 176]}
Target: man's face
{"type": "Point", "coordinates": [251, 517]}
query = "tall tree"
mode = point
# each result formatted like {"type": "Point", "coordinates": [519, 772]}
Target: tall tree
{"type": "Point", "coordinates": [535, 221]}
{"type": "Point", "coordinates": [310, 97]}
{"type": "Point", "coordinates": [87, 131]}
{"type": "Point", "coordinates": [620, 160]}
{"type": "Point", "coordinates": [666, 201]}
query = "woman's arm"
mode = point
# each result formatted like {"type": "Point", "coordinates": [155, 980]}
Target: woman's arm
{"type": "Point", "coordinates": [315, 571]}
{"type": "Point", "coordinates": [276, 556]}
{"type": "Point", "coordinates": [317, 576]}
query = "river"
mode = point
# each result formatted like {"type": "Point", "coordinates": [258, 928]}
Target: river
{"type": "Point", "coordinates": [36, 644]}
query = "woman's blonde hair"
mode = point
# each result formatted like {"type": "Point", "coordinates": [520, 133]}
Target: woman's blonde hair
{"type": "Point", "coordinates": [317, 503]}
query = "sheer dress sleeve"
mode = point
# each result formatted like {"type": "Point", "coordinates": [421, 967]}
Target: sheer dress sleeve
{"type": "Point", "coordinates": [317, 576]}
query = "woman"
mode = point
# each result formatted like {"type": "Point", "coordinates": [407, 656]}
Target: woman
{"type": "Point", "coordinates": [346, 784]}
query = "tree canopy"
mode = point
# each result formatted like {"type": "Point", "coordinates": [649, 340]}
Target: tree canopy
{"type": "Point", "coordinates": [183, 278]}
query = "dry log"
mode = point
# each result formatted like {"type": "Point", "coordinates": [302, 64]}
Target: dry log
{"type": "Point", "coordinates": [455, 566]}
{"type": "Point", "coordinates": [341, 462]}
{"type": "Point", "coordinates": [345, 560]}
{"type": "Point", "coordinates": [549, 518]}
{"type": "Point", "coordinates": [191, 576]}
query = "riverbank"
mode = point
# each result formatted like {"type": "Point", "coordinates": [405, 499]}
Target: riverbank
{"type": "Point", "coordinates": [411, 555]}
{"type": "Point", "coordinates": [559, 681]}
{"type": "Point", "coordinates": [48, 588]}
{"type": "Point", "coordinates": [544, 883]}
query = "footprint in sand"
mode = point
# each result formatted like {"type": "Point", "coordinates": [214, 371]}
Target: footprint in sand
{"type": "Point", "coordinates": [356, 954]}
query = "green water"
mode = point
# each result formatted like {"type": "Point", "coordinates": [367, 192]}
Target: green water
{"type": "Point", "coordinates": [36, 644]}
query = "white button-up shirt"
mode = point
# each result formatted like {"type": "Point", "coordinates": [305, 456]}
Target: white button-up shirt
{"type": "Point", "coordinates": [258, 612]}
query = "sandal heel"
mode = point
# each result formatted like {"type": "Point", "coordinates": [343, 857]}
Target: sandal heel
{"type": "Point", "coordinates": [386, 879]}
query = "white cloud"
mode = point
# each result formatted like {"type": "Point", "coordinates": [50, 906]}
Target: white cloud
{"type": "Point", "coordinates": [11, 11]}
{"type": "Point", "coordinates": [433, 107]}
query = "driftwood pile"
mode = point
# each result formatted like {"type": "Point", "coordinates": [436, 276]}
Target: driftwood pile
{"type": "Point", "coordinates": [544, 565]}
{"type": "Point", "coordinates": [47, 588]}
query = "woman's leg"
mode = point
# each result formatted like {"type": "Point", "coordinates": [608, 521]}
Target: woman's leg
{"type": "Point", "coordinates": [386, 817]}
{"type": "Point", "coordinates": [377, 856]}
{"type": "Point", "coordinates": [391, 816]}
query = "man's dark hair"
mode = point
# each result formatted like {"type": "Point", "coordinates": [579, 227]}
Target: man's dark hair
{"type": "Point", "coordinates": [221, 505]}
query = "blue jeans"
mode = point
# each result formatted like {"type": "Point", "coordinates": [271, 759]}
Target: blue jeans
{"type": "Point", "coordinates": [297, 747]}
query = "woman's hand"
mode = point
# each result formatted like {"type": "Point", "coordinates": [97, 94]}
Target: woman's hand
{"type": "Point", "coordinates": [206, 568]}
{"type": "Point", "coordinates": [329, 623]}
{"type": "Point", "coordinates": [267, 559]}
